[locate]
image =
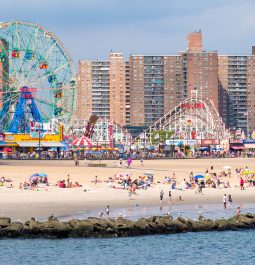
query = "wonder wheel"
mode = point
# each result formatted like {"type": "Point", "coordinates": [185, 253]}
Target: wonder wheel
{"type": "Point", "coordinates": [37, 78]}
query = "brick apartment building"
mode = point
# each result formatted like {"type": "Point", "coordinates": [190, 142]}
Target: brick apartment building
{"type": "Point", "coordinates": [140, 91]}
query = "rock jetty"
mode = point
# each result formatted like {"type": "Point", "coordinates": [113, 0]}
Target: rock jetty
{"type": "Point", "coordinates": [119, 227]}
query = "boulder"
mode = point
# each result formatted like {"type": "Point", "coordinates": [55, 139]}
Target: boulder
{"type": "Point", "coordinates": [81, 228]}
{"type": "Point", "coordinates": [49, 229]}
{"type": "Point", "coordinates": [4, 221]}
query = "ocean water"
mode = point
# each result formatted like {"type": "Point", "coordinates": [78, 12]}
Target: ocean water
{"type": "Point", "coordinates": [228, 247]}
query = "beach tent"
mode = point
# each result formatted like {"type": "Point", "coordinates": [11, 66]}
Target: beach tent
{"type": "Point", "coordinates": [84, 142]}
{"type": "Point", "coordinates": [227, 167]}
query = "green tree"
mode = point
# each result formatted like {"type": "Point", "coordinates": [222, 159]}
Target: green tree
{"type": "Point", "coordinates": [160, 136]}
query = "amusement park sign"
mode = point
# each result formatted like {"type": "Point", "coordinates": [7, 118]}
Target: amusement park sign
{"type": "Point", "coordinates": [180, 142]}
{"type": "Point", "coordinates": [192, 105]}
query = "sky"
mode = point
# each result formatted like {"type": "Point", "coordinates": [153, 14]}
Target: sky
{"type": "Point", "coordinates": [90, 29]}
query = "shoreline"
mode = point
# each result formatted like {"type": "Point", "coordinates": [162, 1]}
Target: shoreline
{"type": "Point", "coordinates": [20, 207]}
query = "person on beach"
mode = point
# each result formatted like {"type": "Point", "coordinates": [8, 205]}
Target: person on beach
{"type": "Point", "coordinates": [242, 183]}
{"type": "Point", "coordinates": [225, 201]}
{"type": "Point", "coordinates": [95, 180]}
{"type": "Point", "coordinates": [161, 195]}
{"type": "Point", "coordinates": [191, 176]}
{"type": "Point", "coordinates": [200, 189]}
{"type": "Point", "coordinates": [238, 211]}
{"type": "Point", "coordinates": [141, 161]}
{"type": "Point", "coordinates": [211, 167]}
{"type": "Point", "coordinates": [107, 210]}
{"type": "Point", "coordinates": [101, 215]}
{"type": "Point", "coordinates": [170, 196]}
{"type": "Point", "coordinates": [230, 199]}
{"type": "Point", "coordinates": [130, 193]}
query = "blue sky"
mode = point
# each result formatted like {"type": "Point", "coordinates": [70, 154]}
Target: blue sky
{"type": "Point", "coordinates": [89, 29]}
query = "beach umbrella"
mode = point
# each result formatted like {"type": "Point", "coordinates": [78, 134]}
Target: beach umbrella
{"type": "Point", "coordinates": [199, 177]}
{"type": "Point", "coordinates": [34, 176]}
{"type": "Point", "coordinates": [227, 167]}
{"type": "Point", "coordinates": [8, 149]}
{"type": "Point", "coordinates": [207, 176]}
{"type": "Point", "coordinates": [42, 174]}
{"type": "Point", "coordinates": [247, 172]}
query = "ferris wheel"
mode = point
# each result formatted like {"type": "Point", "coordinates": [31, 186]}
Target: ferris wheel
{"type": "Point", "coordinates": [37, 78]}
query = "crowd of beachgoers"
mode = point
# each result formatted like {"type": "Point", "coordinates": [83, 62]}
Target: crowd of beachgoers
{"type": "Point", "coordinates": [126, 182]}
{"type": "Point", "coordinates": [111, 155]}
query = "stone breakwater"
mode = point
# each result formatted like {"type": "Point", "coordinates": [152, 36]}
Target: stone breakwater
{"type": "Point", "coordinates": [119, 227]}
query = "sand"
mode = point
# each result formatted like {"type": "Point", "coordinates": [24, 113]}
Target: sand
{"type": "Point", "coordinates": [23, 204]}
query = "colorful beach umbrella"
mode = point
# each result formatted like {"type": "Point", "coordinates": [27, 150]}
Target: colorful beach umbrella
{"type": "Point", "coordinates": [247, 172]}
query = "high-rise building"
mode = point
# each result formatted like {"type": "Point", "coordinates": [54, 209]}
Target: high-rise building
{"type": "Point", "coordinates": [194, 40]}
{"type": "Point", "coordinates": [233, 88]}
{"type": "Point", "coordinates": [223, 99]}
{"type": "Point", "coordinates": [200, 68]}
{"type": "Point", "coordinates": [102, 89]}
{"type": "Point", "coordinates": [117, 88]}
{"type": "Point", "coordinates": [250, 114]}
{"type": "Point", "coordinates": [146, 89]}
{"type": "Point", "coordinates": [174, 86]}
{"type": "Point", "coordinates": [142, 90]}
{"type": "Point", "coordinates": [159, 83]}
{"type": "Point", "coordinates": [127, 94]}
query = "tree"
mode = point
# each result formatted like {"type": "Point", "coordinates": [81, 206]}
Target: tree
{"type": "Point", "coordinates": [160, 136]}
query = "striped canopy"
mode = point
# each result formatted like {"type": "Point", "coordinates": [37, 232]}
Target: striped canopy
{"type": "Point", "coordinates": [84, 142]}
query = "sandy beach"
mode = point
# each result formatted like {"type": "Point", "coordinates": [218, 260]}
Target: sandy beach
{"type": "Point", "coordinates": [40, 203]}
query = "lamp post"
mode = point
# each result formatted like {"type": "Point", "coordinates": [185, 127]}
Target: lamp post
{"type": "Point", "coordinates": [247, 121]}
{"type": "Point", "coordinates": [39, 139]}
{"type": "Point", "coordinates": [144, 137]}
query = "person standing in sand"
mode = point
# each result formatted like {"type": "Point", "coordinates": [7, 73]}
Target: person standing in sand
{"type": "Point", "coordinates": [161, 195]}
{"type": "Point", "coordinates": [238, 211]}
{"type": "Point", "coordinates": [225, 201]}
{"type": "Point", "coordinates": [242, 183]}
{"type": "Point", "coordinates": [95, 180]}
{"type": "Point", "coordinates": [170, 197]}
{"type": "Point", "coordinates": [107, 210]}
{"type": "Point", "coordinates": [230, 200]}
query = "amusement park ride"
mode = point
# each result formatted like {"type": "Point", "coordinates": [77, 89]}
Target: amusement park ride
{"type": "Point", "coordinates": [195, 121]}
{"type": "Point", "coordinates": [37, 79]}
{"type": "Point", "coordinates": [102, 130]}
{"type": "Point", "coordinates": [38, 91]}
